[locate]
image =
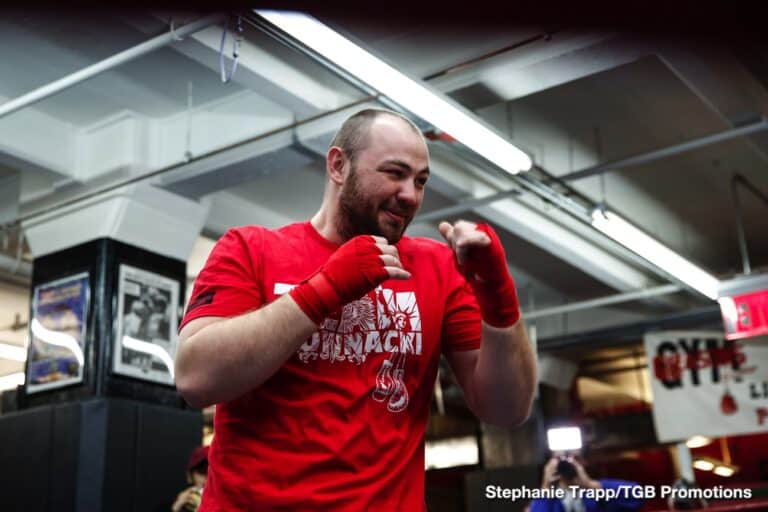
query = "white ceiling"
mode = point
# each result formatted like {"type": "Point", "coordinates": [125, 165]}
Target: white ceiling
{"type": "Point", "coordinates": [572, 97]}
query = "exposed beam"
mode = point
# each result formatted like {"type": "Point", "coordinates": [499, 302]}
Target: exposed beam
{"type": "Point", "coordinates": [209, 162]}
{"type": "Point", "coordinates": [552, 230]}
{"type": "Point", "coordinates": [105, 65]}
{"type": "Point", "coordinates": [721, 82]}
{"type": "Point", "coordinates": [604, 301]}
{"type": "Point", "coordinates": [263, 72]}
{"type": "Point", "coordinates": [464, 206]}
{"type": "Point", "coordinates": [544, 64]}
{"type": "Point", "coordinates": [233, 165]}
{"type": "Point", "coordinates": [630, 333]}
{"type": "Point", "coordinates": [51, 150]}
{"type": "Point", "coordinates": [258, 70]}
{"type": "Point", "coordinates": [675, 149]}
{"type": "Point", "coordinates": [229, 210]}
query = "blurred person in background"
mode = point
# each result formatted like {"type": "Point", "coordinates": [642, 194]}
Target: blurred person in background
{"type": "Point", "coordinates": [189, 499]}
{"type": "Point", "coordinates": [569, 474]}
{"type": "Point", "coordinates": [676, 502]}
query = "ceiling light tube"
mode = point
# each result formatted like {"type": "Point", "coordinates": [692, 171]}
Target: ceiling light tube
{"type": "Point", "coordinates": [410, 94]}
{"type": "Point", "coordinates": [652, 250]}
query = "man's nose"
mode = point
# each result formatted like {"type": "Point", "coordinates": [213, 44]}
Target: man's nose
{"type": "Point", "coordinates": [408, 193]}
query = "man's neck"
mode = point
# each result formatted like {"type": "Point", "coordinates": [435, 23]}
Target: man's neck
{"type": "Point", "coordinates": [324, 224]}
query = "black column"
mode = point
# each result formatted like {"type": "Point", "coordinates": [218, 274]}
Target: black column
{"type": "Point", "coordinates": [97, 454]}
{"type": "Point", "coordinates": [115, 439]}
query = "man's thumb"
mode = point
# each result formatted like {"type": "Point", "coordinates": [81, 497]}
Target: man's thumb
{"type": "Point", "coordinates": [446, 230]}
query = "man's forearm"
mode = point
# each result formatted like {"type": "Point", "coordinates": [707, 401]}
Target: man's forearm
{"type": "Point", "coordinates": [505, 375]}
{"type": "Point", "coordinates": [499, 379]}
{"type": "Point", "coordinates": [229, 357]}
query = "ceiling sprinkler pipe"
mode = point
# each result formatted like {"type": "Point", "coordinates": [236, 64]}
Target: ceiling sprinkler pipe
{"type": "Point", "coordinates": [116, 60]}
{"type": "Point", "coordinates": [657, 154]}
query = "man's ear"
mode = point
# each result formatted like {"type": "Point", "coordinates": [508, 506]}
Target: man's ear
{"type": "Point", "coordinates": [335, 162]}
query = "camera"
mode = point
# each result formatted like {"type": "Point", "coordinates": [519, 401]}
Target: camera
{"type": "Point", "coordinates": [566, 470]}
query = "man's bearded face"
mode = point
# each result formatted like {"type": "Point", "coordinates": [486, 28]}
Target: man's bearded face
{"type": "Point", "coordinates": [367, 209]}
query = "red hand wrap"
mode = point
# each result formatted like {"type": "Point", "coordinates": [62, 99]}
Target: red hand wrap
{"type": "Point", "coordinates": [486, 271]}
{"type": "Point", "coordinates": [352, 271]}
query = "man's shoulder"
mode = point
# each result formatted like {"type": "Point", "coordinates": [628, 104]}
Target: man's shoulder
{"type": "Point", "coordinates": [252, 231]}
{"type": "Point", "coordinates": [254, 239]}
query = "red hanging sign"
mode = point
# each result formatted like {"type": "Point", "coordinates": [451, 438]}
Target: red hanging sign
{"type": "Point", "coordinates": [746, 315]}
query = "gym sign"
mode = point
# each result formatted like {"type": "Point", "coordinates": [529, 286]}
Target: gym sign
{"type": "Point", "coordinates": [704, 384]}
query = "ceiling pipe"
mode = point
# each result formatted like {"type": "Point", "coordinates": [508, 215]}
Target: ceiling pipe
{"type": "Point", "coordinates": [604, 301]}
{"type": "Point", "coordinates": [633, 332]}
{"type": "Point", "coordinates": [118, 59]}
{"type": "Point", "coordinates": [545, 36]}
{"type": "Point", "coordinates": [178, 166]}
{"type": "Point", "coordinates": [464, 206]}
{"type": "Point", "coordinates": [539, 187]}
{"type": "Point", "coordinates": [668, 151]}
{"type": "Point", "coordinates": [189, 28]}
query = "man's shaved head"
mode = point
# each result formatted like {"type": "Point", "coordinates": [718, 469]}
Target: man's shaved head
{"type": "Point", "coordinates": [352, 137]}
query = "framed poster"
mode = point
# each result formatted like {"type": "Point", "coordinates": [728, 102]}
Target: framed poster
{"type": "Point", "coordinates": [57, 333]}
{"type": "Point", "coordinates": [147, 320]}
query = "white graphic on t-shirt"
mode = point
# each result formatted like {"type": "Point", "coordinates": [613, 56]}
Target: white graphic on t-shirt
{"type": "Point", "coordinates": [384, 321]}
{"type": "Point", "coordinates": [390, 383]}
{"type": "Point", "coordinates": [399, 312]}
{"type": "Point", "coordinates": [392, 325]}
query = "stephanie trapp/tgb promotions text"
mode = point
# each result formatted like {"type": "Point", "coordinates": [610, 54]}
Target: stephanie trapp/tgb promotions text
{"type": "Point", "coordinates": [496, 492]}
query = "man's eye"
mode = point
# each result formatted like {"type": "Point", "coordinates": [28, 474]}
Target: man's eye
{"type": "Point", "coordinates": [394, 172]}
{"type": "Point", "coordinates": [421, 182]}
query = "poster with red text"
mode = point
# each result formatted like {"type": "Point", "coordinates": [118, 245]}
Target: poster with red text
{"type": "Point", "coordinates": [704, 384]}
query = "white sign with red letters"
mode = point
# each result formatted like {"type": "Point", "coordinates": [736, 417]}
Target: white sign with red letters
{"type": "Point", "coordinates": [706, 385]}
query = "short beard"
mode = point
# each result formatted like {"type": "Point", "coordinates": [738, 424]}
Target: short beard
{"type": "Point", "coordinates": [358, 215]}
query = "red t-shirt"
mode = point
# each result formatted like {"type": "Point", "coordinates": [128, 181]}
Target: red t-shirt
{"type": "Point", "coordinates": [341, 425]}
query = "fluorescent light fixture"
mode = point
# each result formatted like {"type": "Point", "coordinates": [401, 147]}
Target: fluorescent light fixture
{"type": "Point", "coordinates": [13, 352]}
{"type": "Point", "coordinates": [59, 339]}
{"type": "Point", "coordinates": [151, 349]}
{"type": "Point", "coordinates": [406, 92]}
{"type": "Point", "coordinates": [724, 470]}
{"type": "Point", "coordinates": [698, 441]}
{"type": "Point", "coordinates": [703, 464]}
{"type": "Point", "coordinates": [11, 381]}
{"type": "Point", "coordinates": [730, 313]}
{"type": "Point", "coordinates": [652, 250]}
{"type": "Point", "coordinates": [564, 439]}
{"type": "Point", "coordinates": [448, 453]}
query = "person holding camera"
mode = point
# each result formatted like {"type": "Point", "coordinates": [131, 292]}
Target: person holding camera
{"type": "Point", "coordinates": [581, 493]}
{"type": "Point", "coordinates": [189, 499]}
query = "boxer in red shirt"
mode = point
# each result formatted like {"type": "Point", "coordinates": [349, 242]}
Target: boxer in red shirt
{"type": "Point", "coordinates": [320, 341]}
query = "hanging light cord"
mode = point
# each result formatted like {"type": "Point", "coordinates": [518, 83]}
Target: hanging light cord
{"type": "Point", "coordinates": [227, 77]}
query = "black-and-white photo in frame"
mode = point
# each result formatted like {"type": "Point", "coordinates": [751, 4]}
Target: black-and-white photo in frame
{"type": "Point", "coordinates": [147, 320]}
